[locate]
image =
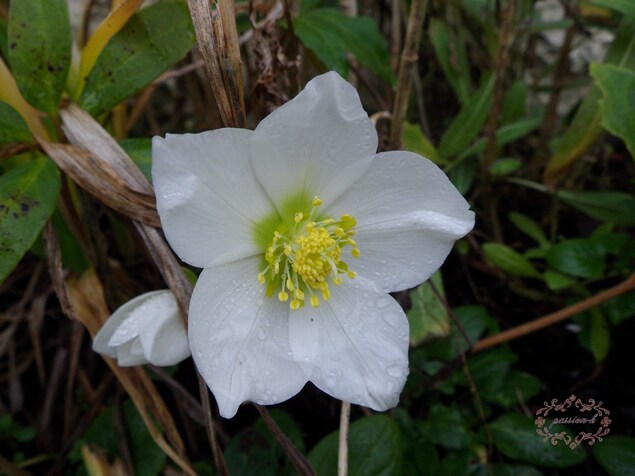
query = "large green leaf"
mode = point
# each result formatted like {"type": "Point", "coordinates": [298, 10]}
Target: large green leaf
{"type": "Point", "coordinates": [414, 140]}
{"type": "Point", "coordinates": [585, 127]}
{"type": "Point", "coordinates": [13, 129]}
{"type": "Point", "coordinates": [27, 199]}
{"type": "Point", "coordinates": [374, 449]}
{"type": "Point", "coordinates": [40, 50]}
{"type": "Point", "coordinates": [614, 207]}
{"type": "Point", "coordinates": [468, 122]}
{"type": "Point", "coordinates": [446, 426]}
{"type": "Point", "coordinates": [330, 35]}
{"type": "Point", "coordinates": [578, 257]}
{"type": "Point", "coordinates": [449, 48]}
{"type": "Point", "coordinates": [515, 436]}
{"type": "Point", "coordinates": [428, 316]}
{"type": "Point", "coordinates": [616, 454]}
{"type": "Point", "coordinates": [153, 40]}
{"type": "Point", "coordinates": [618, 106]}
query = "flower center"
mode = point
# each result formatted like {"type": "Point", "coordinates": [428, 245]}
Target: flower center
{"type": "Point", "coordinates": [300, 260]}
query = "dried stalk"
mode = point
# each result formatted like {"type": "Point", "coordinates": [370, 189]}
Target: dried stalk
{"type": "Point", "coordinates": [555, 317]}
{"type": "Point", "coordinates": [409, 58]}
{"type": "Point", "coordinates": [300, 463]}
{"type": "Point", "coordinates": [342, 454]}
{"type": "Point", "coordinates": [218, 43]}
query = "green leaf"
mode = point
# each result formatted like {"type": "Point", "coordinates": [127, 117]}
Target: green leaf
{"type": "Point", "coordinates": [509, 260]}
{"type": "Point", "coordinates": [374, 449]}
{"type": "Point", "coordinates": [449, 48]}
{"type": "Point", "coordinates": [585, 127]}
{"type": "Point", "coordinates": [515, 436]}
{"type": "Point", "coordinates": [151, 42]}
{"type": "Point", "coordinates": [13, 129]}
{"type": "Point", "coordinates": [27, 199]}
{"type": "Point", "coordinates": [627, 7]}
{"type": "Point", "coordinates": [140, 151]}
{"type": "Point", "coordinates": [616, 454]}
{"type": "Point", "coordinates": [40, 50]}
{"type": "Point", "coordinates": [462, 175]}
{"type": "Point", "coordinates": [614, 207]}
{"type": "Point", "coordinates": [415, 141]}
{"type": "Point", "coordinates": [489, 371]}
{"type": "Point", "coordinates": [529, 227]}
{"type": "Point", "coordinates": [468, 122]}
{"type": "Point", "coordinates": [600, 336]}
{"type": "Point", "coordinates": [619, 309]}
{"type": "Point", "coordinates": [514, 103]}
{"type": "Point", "coordinates": [446, 427]}
{"type": "Point", "coordinates": [557, 281]}
{"type": "Point", "coordinates": [428, 316]}
{"type": "Point", "coordinates": [577, 257]}
{"type": "Point", "coordinates": [4, 36]}
{"type": "Point", "coordinates": [505, 166]}
{"type": "Point", "coordinates": [618, 112]}
{"type": "Point", "coordinates": [330, 34]}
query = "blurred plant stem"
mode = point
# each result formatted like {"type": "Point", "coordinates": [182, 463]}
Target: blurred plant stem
{"type": "Point", "coordinates": [342, 454]}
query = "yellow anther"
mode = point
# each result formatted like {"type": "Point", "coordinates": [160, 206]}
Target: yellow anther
{"type": "Point", "coordinates": [337, 280]}
{"type": "Point", "coordinates": [355, 252]}
{"type": "Point", "coordinates": [298, 217]}
{"type": "Point", "coordinates": [276, 267]}
{"type": "Point", "coordinates": [316, 201]}
{"type": "Point", "coordinates": [315, 302]}
{"type": "Point", "coordinates": [326, 294]}
{"type": "Point", "coordinates": [351, 274]}
{"type": "Point", "coordinates": [289, 284]}
{"type": "Point", "coordinates": [339, 232]}
{"type": "Point", "coordinates": [295, 304]}
{"type": "Point", "coordinates": [346, 217]}
{"type": "Point", "coordinates": [299, 294]}
{"type": "Point", "coordinates": [351, 242]}
{"type": "Point", "coordinates": [261, 278]}
{"type": "Point", "coordinates": [283, 296]}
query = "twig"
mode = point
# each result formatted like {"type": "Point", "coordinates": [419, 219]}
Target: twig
{"type": "Point", "coordinates": [219, 460]}
{"type": "Point", "coordinates": [297, 459]}
{"type": "Point", "coordinates": [409, 57]}
{"type": "Point", "coordinates": [342, 454]}
{"type": "Point", "coordinates": [555, 317]}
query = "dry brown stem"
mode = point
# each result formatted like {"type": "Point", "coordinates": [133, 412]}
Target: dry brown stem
{"type": "Point", "coordinates": [555, 317]}
{"type": "Point", "coordinates": [218, 43]}
{"type": "Point", "coordinates": [409, 58]}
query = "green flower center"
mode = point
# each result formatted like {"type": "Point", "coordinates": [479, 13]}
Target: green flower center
{"type": "Point", "coordinates": [302, 257]}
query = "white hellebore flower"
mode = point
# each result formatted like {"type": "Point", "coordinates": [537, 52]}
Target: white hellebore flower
{"type": "Point", "coordinates": [147, 329]}
{"type": "Point", "coordinates": [302, 230]}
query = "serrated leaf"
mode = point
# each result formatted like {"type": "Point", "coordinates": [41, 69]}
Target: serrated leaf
{"type": "Point", "coordinates": [577, 257]}
{"type": "Point", "coordinates": [515, 436]}
{"type": "Point", "coordinates": [618, 112]}
{"type": "Point", "coordinates": [40, 50]}
{"type": "Point", "coordinates": [374, 449]}
{"type": "Point", "coordinates": [330, 34]}
{"type": "Point", "coordinates": [27, 199]}
{"type": "Point", "coordinates": [13, 129]}
{"type": "Point", "coordinates": [509, 260]}
{"type": "Point", "coordinates": [468, 122]}
{"type": "Point", "coordinates": [151, 42]}
{"type": "Point", "coordinates": [529, 227]}
{"type": "Point", "coordinates": [449, 48]}
{"type": "Point", "coordinates": [616, 454]}
{"type": "Point", "coordinates": [415, 141]}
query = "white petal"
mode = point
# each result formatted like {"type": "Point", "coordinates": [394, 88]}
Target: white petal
{"type": "Point", "coordinates": [408, 216]}
{"type": "Point", "coordinates": [163, 338]}
{"type": "Point", "coordinates": [207, 195]}
{"type": "Point", "coordinates": [357, 343]}
{"type": "Point", "coordinates": [145, 329]}
{"type": "Point", "coordinates": [240, 338]}
{"type": "Point", "coordinates": [319, 142]}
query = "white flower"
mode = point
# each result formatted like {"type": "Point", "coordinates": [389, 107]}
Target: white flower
{"type": "Point", "coordinates": [287, 295]}
{"type": "Point", "coordinates": [147, 329]}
